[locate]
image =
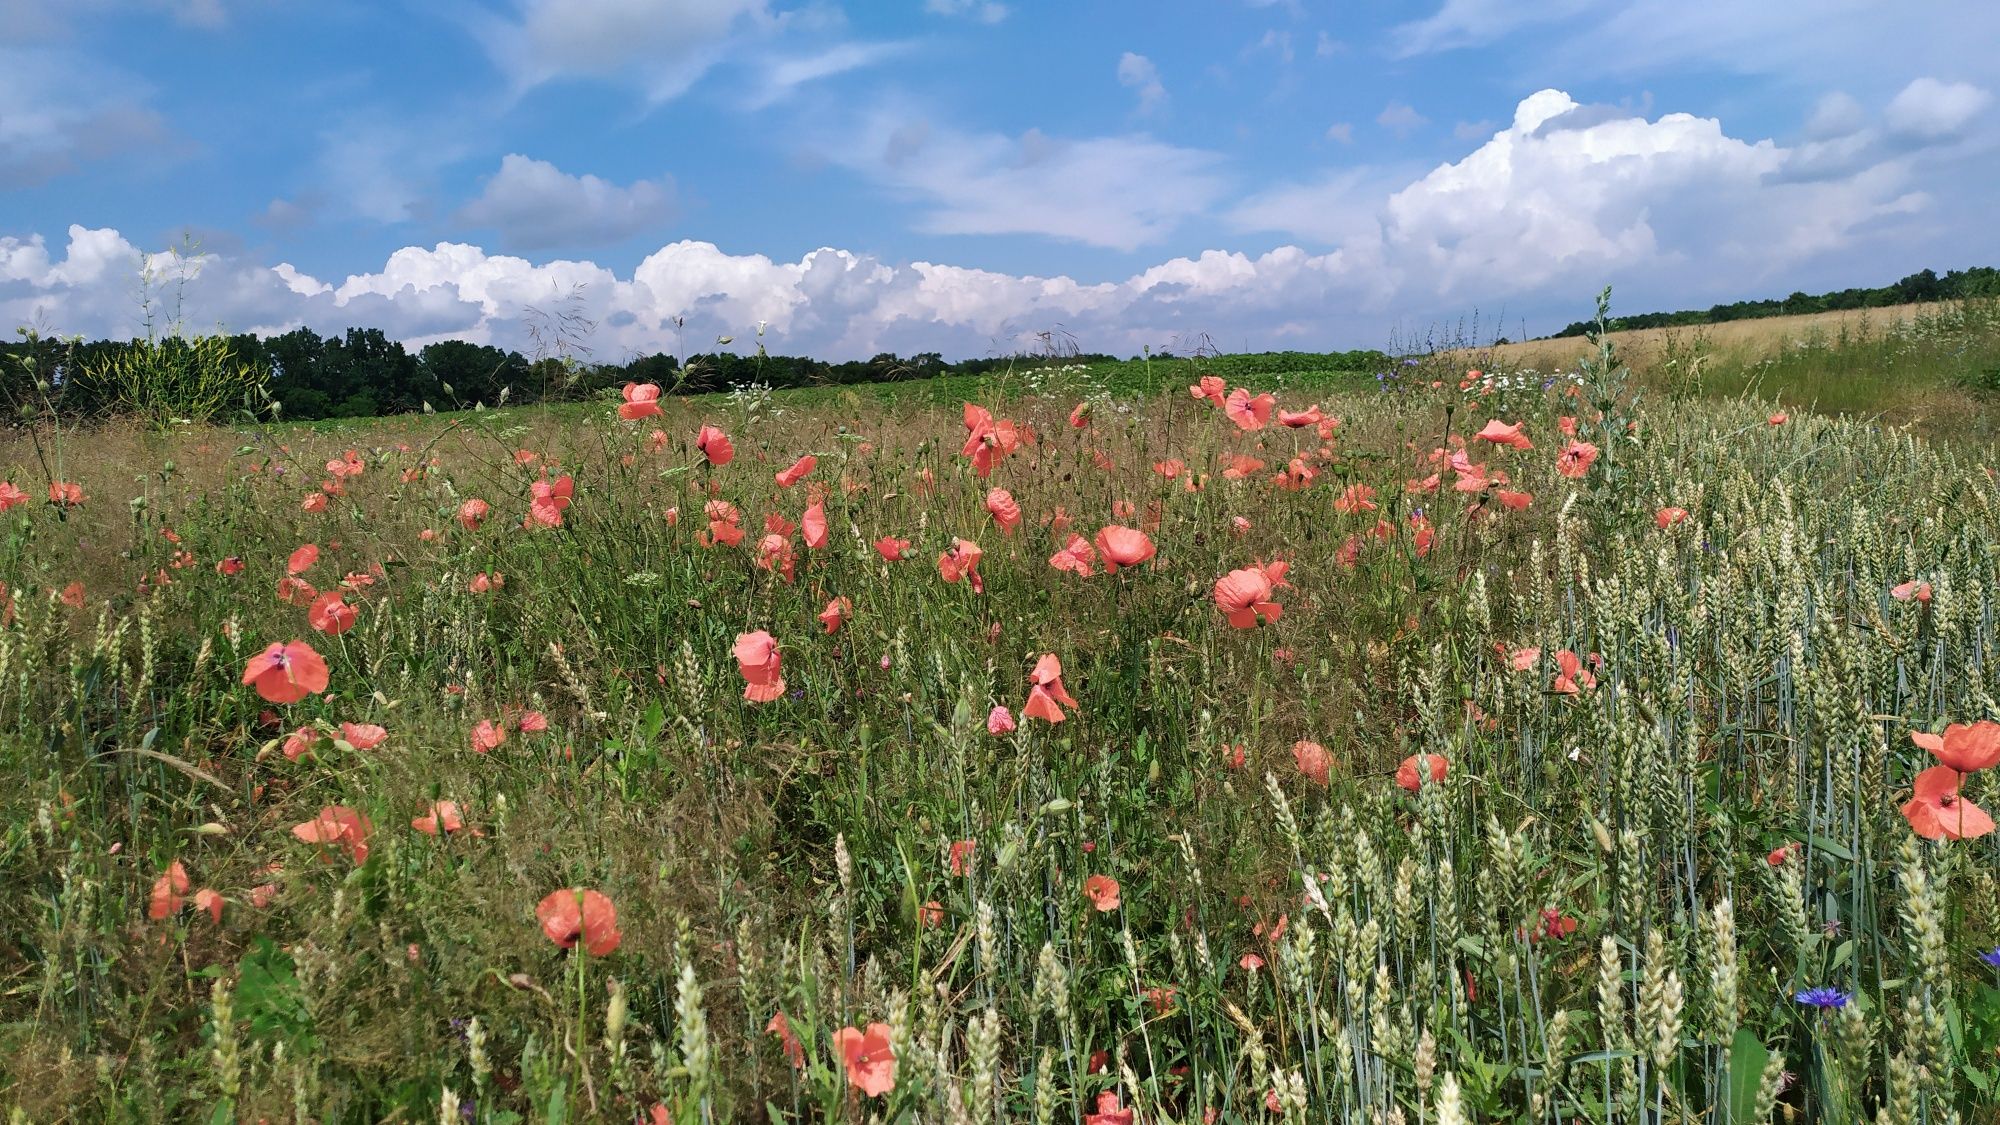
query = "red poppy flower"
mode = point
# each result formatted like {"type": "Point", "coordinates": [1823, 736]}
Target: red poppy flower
{"type": "Point", "coordinates": [1937, 812]}
{"type": "Point", "coordinates": [774, 552]}
{"type": "Point", "coordinates": [1076, 556]}
{"type": "Point", "coordinates": [758, 659]}
{"type": "Point", "coordinates": [168, 889]}
{"type": "Point", "coordinates": [1576, 459]}
{"type": "Point", "coordinates": [642, 400]}
{"type": "Point", "coordinates": [836, 614]}
{"type": "Point", "coordinates": [1102, 891]}
{"type": "Point", "coordinates": [1079, 417]}
{"type": "Point", "coordinates": [472, 512]}
{"type": "Point", "coordinates": [714, 445]}
{"type": "Point", "coordinates": [1553, 923]}
{"type": "Point", "coordinates": [1246, 596]}
{"type": "Point", "coordinates": [867, 1058]}
{"type": "Point", "coordinates": [1410, 775]}
{"type": "Point", "coordinates": [444, 818]}
{"type": "Point", "coordinates": [961, 852]}
{"type": "Point", "coordinates": [296, 591]}
{"type": "Point", "coordinates": [1668, 517]}
{"type": "Point", "coordinates": [1122, 546]}
{"type": "Point", "coordinates": [329, 614]}
{"type": "Point", "coordinates": [1967, 748]}
{"type": "Point", "coordinates": [1298, 419]}
{"type": "Point", "coordinates": [363, 736]}
{"type": "Point", "coordinates": [1211, 388]}
{"type": "Point", "coordinates": [891, 548]}
{"type": "Point", "coordinates": [300, 743]}
{"type": "Point", "coordinates": [209, 902]}
{"type": "Point", "coordinates": [338, 826]}
{"type": "Point", "coordinates": [987, 441]}
{"type": "Point", "coordinates": [573, 915]}
{"type": "Point", "coordinates": [1571, 674]}
{"type": "Point", "coordinates": [999, 721]}
{"type": "Point", "coordinates": [1314, 762]}
{"type": "Point", "coordinates": [286, 673]}
{"type": "Point", "coordinates": [1501, 433]}
{"type": "Point", "coordinates": [961, 561]}
{"type": "Point", "coordinates": [302, 559]}
{"type": "Point", "coordinates": [795, 1052]}
{"type": "Point", "coordinates": [487, 736]}
{"type": "Point", "coordinates": [11, 495]}
{"type": "Point", "coordinates": [1046, 691]}
{"type": "Point", "coordinates": [1249, 413]}
{"type": "Point", "coordinates": [548, 500]}
{"type": "Point", "coordinates": [1905, 591]}
{"type": "Point", "coordinates": [1780, 418]}
{"type": "Point", "coordinates": [1355, 498]}
{"type": "Point", "coordinates": [1005, 512]}
{"type": "Point", "coordinates": [1242, 467]}
{"type": "Point", "coordinates": [66, 494]}
{"type": "Point", "coordinates": [799, 470]}
{"type": "Point", "coordinates": [1108, 1111]}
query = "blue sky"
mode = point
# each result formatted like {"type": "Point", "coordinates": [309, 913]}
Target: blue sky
{"type": "Point", "coordinates": [955, 175]}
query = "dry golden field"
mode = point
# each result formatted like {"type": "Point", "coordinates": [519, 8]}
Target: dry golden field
{"type": "Point", "coordinates": [1646, 348]}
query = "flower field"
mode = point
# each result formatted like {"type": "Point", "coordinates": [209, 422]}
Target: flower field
{"type": "Point", "coordinates": [1476, 750]}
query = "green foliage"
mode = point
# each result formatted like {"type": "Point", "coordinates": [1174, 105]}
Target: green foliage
{"type": "Point", "coordinates": [176, 380]}
{"type": "Point", "coordinates": [1580, 921]}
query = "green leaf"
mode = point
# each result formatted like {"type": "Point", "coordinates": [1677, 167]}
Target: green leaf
{"type": "Point", "coordinates": [1746, 1072]}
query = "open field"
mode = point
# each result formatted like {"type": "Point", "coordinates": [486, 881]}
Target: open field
{"type": "Point", "coordinates": [1648, 347]}
{"type": "Point", "coordinates": [1926, 365]}
{"type": "Point", "coordinates": [1393, 773]}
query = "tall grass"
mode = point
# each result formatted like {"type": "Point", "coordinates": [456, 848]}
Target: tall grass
{"type": "Point", "coordinates": [1603, 911]}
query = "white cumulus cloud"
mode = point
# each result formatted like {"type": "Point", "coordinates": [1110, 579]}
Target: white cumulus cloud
{"type": "Point", "coordinates": [1575, 191]}
{"type": "Point", "coordinates": [1137, 72]}
{"type": "Point", "coordinates": [535, 205]}
{"type": "Point", "coordinates": [1563, 199]}
{"type": "Point", "coordinates": [1932, 110]}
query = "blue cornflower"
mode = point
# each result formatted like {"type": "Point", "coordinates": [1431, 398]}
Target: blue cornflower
{"type": "Point", "coordinates": [1991, 957]}
{"type": "Point", "coordinates": [1822, 998]}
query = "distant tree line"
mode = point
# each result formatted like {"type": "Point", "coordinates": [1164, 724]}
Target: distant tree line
{"type": "Point", "coordinates": [362, 373]}
{"type": "Point", "coordinates": [1925, 285]}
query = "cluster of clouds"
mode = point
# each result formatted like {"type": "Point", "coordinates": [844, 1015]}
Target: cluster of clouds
{"type": "Point", "coordinates": [1566, 194]}
{"type": "Point", "coordinates": [1538, 212]}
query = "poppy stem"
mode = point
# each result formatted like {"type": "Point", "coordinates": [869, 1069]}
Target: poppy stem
{"type": "Point", "coordinates": [582, 996]}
